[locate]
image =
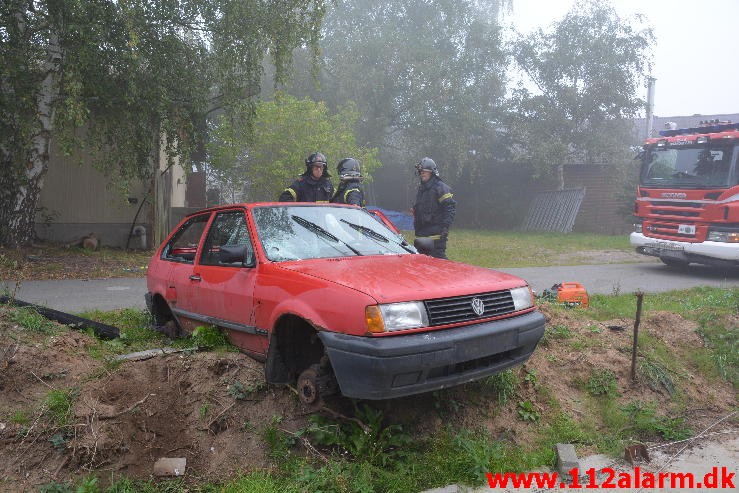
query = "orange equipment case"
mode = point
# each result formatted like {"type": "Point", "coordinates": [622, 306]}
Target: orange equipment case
{"type": "Point", "coordinates": [572, 293]}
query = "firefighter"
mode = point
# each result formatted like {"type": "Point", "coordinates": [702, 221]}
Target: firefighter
{"type": "Point", "coordinates": [350, 189]}
{"type": "Point", "coordinates": [433, 212]}
{"type": "Point", "coordinates": [312, 186]}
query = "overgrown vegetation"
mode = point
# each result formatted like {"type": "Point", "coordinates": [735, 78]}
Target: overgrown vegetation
{"type": "Point", "coordinates": [716, 310]}
{"type": "Point", "coordinates": [369, 451]}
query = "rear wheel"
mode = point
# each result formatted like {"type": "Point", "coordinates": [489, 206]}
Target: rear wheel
{"type": "Point", "coordinates": [673, 262]}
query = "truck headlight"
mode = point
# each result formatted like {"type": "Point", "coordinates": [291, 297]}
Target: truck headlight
{"type": "Point", "coordinates": [724, 236]}
{"type": "Point", "coordinates": [522, 298]}
{"type": "Point", "coordinates": [396, 316]}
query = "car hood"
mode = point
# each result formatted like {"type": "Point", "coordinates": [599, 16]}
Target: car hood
{"type": "Point", "coordinates": [394, 278]}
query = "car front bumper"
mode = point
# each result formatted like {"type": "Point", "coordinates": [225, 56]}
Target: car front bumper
{"type": "Point", "coordinates": [695, 252]}
{"type": "Point", "coordinates": [395, 366]}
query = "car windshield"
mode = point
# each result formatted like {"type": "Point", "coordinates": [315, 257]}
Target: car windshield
{"type": "Point", "coordinates": [308, 232]}
{"type": "Point", "coordinates": [690, 167]}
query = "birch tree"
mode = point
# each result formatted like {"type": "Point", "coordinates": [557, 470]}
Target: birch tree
{"type": "Point", "coordinates": [115, 79]}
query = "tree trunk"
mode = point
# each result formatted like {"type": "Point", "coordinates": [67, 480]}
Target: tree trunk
{"type": "Point", "coordinates": [21, 226]}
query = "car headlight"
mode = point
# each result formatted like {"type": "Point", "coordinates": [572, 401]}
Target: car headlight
{"type": "Point", "coordinates": [723, 236]}
{"type": "Point", "coordinates": [396, 316]}
{"type": "Point", "coordinates": [522, 298]}
{"type": "Point", "coordinates": [637, 227]}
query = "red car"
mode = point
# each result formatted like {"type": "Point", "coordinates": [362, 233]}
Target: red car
{"type": "Point", "coordinates": [333, 298]}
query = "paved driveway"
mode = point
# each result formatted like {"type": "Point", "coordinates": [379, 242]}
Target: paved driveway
{"type": "Point", "coordinates": [74, 296]}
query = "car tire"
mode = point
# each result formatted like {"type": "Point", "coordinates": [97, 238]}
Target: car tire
{"type": "Point", "coordinates": [673, 262]}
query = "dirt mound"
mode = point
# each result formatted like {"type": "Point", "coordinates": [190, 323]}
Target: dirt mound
{"type": "Point", "coordinates": [207, 407]}
{"type": "Point", "coordinates": [211, 408]}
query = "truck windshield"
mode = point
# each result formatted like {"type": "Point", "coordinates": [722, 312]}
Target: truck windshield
{"type": "Point", "coordinates": [299, 232]}
{"type": "Point", "coordinates": [696, 166]}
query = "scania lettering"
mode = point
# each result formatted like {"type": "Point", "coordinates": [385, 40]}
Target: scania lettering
{"type": "Point", "coordinates": [687, 201]}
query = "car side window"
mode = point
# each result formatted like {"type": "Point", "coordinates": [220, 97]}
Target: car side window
{"type": "Point", "coordinates": [184, 244]}
{"type": "Point", "coordinates": [228, 236]}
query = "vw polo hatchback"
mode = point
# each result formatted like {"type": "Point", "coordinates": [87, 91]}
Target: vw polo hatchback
{"type": "Point", "coordinates": [332, 298]}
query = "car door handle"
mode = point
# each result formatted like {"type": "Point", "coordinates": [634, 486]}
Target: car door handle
{"type": "Point", "coordinates": [196, 278]}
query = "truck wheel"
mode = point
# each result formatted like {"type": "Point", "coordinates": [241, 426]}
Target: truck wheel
{"type": "Point", "coordinates": [673, 262]}
{"type": "Point", "coordinates": [308, 387]}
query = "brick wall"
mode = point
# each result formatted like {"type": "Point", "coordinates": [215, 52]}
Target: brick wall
{"type": "Point", "coordinates": [601, 210]}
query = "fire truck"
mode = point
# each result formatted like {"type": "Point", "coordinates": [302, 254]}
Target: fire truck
{"type": "Point", "coordinates": [687, 201]}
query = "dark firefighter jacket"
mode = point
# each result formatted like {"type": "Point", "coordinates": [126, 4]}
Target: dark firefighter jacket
{"type": "Point", "coordinates": [349, 192]}
{"type": "Point", "coordinates": [306, 189]}
{"type": "Point", "coordinates": [434, 209]}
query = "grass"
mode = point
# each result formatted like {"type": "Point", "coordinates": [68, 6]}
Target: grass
{"type": "Point", "coordinates": [28, 318]}
{"type": "Point", "coordinates": [714, 309]}
{"type": "Point", "coordinates": [385, 459]}
{"type": "Point", "coordinates": [521, 249]}
{"type": "Point", "coordinates": [135, 334]}
{"type": "Point", "coordinates": [58, 405]}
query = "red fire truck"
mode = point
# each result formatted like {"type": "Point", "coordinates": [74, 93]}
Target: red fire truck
{"type": "Point", "coordinates": [687, 201]}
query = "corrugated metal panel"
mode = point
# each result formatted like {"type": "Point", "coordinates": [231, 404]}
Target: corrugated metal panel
{"type": "Point", "coordinates": [554, 211]}
{"type": "Point", "coordinates": [81, 194]}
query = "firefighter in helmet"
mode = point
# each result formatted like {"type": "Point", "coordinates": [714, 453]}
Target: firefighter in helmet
{"type": "Point", "coordinates": [350, 189]}
{"type": "Point", "coordinates": [433, 212]}
{"type": "Point", "coordinates": [312, 186]}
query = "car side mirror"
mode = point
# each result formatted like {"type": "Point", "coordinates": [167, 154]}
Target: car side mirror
{"type": "Point", "coordinates": [230, 254]}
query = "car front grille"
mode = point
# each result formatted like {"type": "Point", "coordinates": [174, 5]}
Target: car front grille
{"type": "Point", "coordinates": [445, 311]}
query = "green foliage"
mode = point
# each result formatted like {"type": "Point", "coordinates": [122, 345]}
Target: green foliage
{"type": "Point", "coordinates": [645, 422]}
{"type": "Point", "coordinates": [20, 418]}
{"type": "Point", "coordinates": [240, 391]}
{"type": "Point", "coordinates": [588, 68]}
{"type": "Point", "coordinates": [530, 377]}
{"type": "Point", "coordinates": [87, 485]}
{"type": "Point", "coordinates": [59, 441]}
{"type": "Point", "coordinates": [557, 332]}
{"type": "Point", "coordinates": [278, 441]}
{"type": "Point", "coordinates": [479, 452]}
{"type": "Point", "coordinates": [373, 443]}
{"type": "Point", "coordinates": [502, 385]}
{"type": "Point", "coordinates": [711, 308]}
{"type": "Point", "coordinates": [527, 412]}
{"type": "Point", "coordinates": [129, 83]}
{"type": "Point", "coordinates": [657, 375]}
{"type": "Point", "coordinates": [58, 405]}
{"type": "Point", "coordinates": [212, 337]}
{"type": "Point", "coordinates": [285, 131]}
{"type": "Point", "coordinates": [602, 382]}
{"type": "Point", "coordinates": [204, 409]}
{"type": "Point", "coordinates": [28, 318]}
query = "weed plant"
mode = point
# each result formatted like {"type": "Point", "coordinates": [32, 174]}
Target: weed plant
{"type": "Point", "coordinates": [58, 405]}
{"type": "Point", "coordinates": [28, 318]}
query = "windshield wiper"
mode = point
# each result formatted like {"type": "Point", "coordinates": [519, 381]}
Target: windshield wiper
{"type": "Point", "coordinates": [374, 235]}
{"type": "Point", "coordinates": [322, 233]}
{"type": "Point", "coordinates": [366, 231]}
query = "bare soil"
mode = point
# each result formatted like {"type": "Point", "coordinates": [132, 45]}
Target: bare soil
{"type": "Point", "coordinates": [180, 405]}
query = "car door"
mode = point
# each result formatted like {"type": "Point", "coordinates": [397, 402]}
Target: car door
{"type": "Point", "coordinates": [182, 283]}
{"type": "Point", "coordinates": [226, 295]}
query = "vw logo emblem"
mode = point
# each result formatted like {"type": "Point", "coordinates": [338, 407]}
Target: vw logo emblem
{"type": "Point", "coordinates": [478, 306]}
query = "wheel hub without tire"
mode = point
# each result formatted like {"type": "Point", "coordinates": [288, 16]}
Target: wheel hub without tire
{"type": "Point", "coordinates": [308, 387]}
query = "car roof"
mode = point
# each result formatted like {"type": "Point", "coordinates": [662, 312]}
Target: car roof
{"type": "Point", "coordinates": [250, 205]}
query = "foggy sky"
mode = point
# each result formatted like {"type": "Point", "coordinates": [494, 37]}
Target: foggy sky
{"type": "Point", "coordinates": [695, 59]}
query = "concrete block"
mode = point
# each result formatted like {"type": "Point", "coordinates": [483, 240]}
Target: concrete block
{"type": "Point", "coordinates": [566, 458]}
{"type": "Point", "coordinates": [170, 466]}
